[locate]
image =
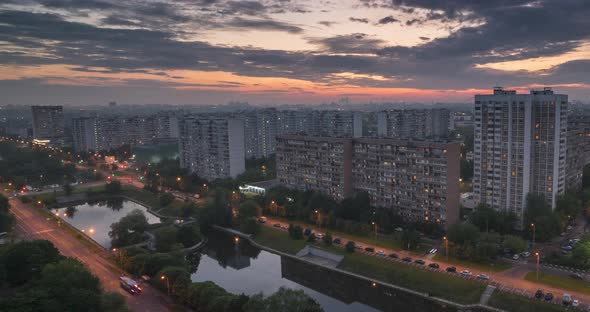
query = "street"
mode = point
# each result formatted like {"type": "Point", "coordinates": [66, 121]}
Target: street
{"type": "Point", "coordinates": [31, 224]}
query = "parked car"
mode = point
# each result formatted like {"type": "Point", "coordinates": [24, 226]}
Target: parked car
{"type": "Point", "coordinates": [575, 303]}
{"type": "Point", "coordinates": [277, 225]}
{"type": "Point", "coordinates": [548, 296]}
{"type": "Point", "coordinates": [466, 273]}
{"type": "Point", "coordinates": [319, 235]}
{"type": "Point", "coordinates": [434, 265]}
{"type": "Point", "coordinates": [337, 241]}
{"type": "Point", "coordinates": [407, 259]}
{"type": "Point", "coordinates": [452, 269]}
{"type": "Point", "coordinates": [262, 219]}
{"type": "Point", "coordinates": [420, 262]}
{"type": "Point", "coordinates": [484, 277]}
{"type": "Point", "coordinates": [306, 232]}
{"type": "Point", "coordinates": [516, 257]}
{"type": "Point", "coordinates": [393, 255]}
{"type": "Point", "coordinates": [370, 249]}
{"type": "Point", "coordinates": [380, 253]}
{"type": "Point", "coordinates": [576, 276]}
{"type": "Point", "coordinates": [358, 247]}
{"type": "Point", "coordinates": [525, 254]}
{"type": "Point", "coordinates": [566, 299]}
{"type": "Point", "coordinates": [539, 294]}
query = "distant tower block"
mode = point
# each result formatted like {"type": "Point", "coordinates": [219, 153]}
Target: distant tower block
{"type": "Point", "coordinates": [112, 104]}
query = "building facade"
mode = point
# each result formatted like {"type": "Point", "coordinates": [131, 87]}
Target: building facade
{"type": "Point", "coordinates": [418, 179]}
{"type": "Point", "coordinates": [48, 122]}
{"type": "Point", "coordinates": [578, 150]}
{"type": "Point", "coordinates": [413, 123]}
{"type": "Point", "coordinates": [519, 148]}
{"type": "Point", "coordinates": [212, 147]}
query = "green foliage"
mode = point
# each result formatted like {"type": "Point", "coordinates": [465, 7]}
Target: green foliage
{"type": "Point", "coordinates": [68, 189]}
{"type": "Point", "coordinates": [166, 237]}
{"type": "Point", "coordinates": [166, 199]}
{"type": "Point", "coordinates": [189, 209]}
{"type": "Point", "coordinates": [581, 252]}
{"type": "Point", "coordinates": [488, 219]}
{"type": "Point", "coordinates": [260, 169]}
{"type": "Point", "coordinates": [328, 239]}
{"type": "Point", "coordinates": [24, 261]}
{"type": "Point", "coordinates": [129, 230]}
{"type": "Point", "coordinates": [289, 300]}
{"type": "Point", "coordinates": [514, 243]}
{"type": "Point", "coordinates": [189, 235]}
{"type": "Point", "coordinates": [410, 239]}
{"type": "Point", "coordinates": [113, 187]}
{"type": "Point", "coordinates": [295, 232]}
{"type": "Point", "coordinates": [7, 222]}
{"type": "Point", "coordinates": [539, 213]}
{"type": "Point", "coordinates": [460, 233]}
{"type": "Point", "coordinates": [113, 302]}
{"type": "Point", "coordinates": [247, 213]}
{"type": "Point", "coordinates": [349, 246]}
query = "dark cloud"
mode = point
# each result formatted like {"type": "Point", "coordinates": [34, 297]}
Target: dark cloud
{"type": "Point", "coordinates": [327, 23]}
{"type": "Point", "coordinates": [118, 20]}
{"type": "Point", "coordinates": [424, 38]}
{"type": "Point", "coordinates": [77, 4]}
{"type": "Point", "coordinates": [353, 43]}
{"type": "Point", "coordinates": [387, 20]}
{"type": "Point", "coordinates": [359, 20]}
{"type": "Point", "coordinates": [263, 24]}
{"type": "Point", "coordinates": [244, 7]}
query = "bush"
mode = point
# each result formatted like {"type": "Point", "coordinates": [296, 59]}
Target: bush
{"type": "Point", "coordinates": [113, 187]}
{"type": "Point", "coordinates": [349, 246]}
{"type": "Point", "coordinates": [295, 232]}
{"type": "Point", "coordinates": [328, 239]}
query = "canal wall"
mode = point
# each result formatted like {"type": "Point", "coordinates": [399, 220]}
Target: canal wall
{"type": "Point", "coordinates": [345, 285]}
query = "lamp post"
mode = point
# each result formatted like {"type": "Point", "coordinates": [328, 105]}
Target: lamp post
{"type": "Point", "coordinates": [534, 232]}
{"type": "Point", "coordinates": [319, 218]}
{"type": "Point", "coordinates": [446, 240]}
{"type": "Point", "coordinates": [374, 228]}
{"type": "Point", "coordinates": [538, 257]}
{"type": "Point", "coordinates": [164, 277]}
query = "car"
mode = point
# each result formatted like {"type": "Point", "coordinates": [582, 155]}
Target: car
{"type": "Point", "coordinates": [262, 219]}
{"type": "Point", "coordinates": [393, 255]}
{"type": "Point", "coordinates": [434, 265]}
{"type": "Point", "coordinates": [548, 296]}
{"type": "Point", "coordinates": [306, 232]}
{"type": "Point", "coordinates": [575, 303]}
{"type": "Point", "coordinates": [576, 276]}
{"type": "Point", "coordinates": [284, 227]}
{"type": "Point", "coordinates": [337, 241]}
{"type": "Point", "coordinates": [466, 273]}
{"type": "Point", "coordinates": [129, 285]}
{"type": "Point", "coordinates": [319, 235]}
{"type": "Point", "coordinates": [277, 225]}
{"type": "Point", "coordinates": [420, 262]}
{"type": "Point", "coordinates": [525, 254]}
{"type": "Point", "coordinates": [539, 294]}
{"type": "Point", "coordinates": [484, 277]}
{"type": "Point", "coordinates": [566, 299]}
{"type": "Point", "coordinates": [452, 269]}
{"type": "Point", "coordinates": [569, 227]}
{"type": "Point", "coordinates": [562, 234]}
{"type": "Point", "coordinates": [407, 259]}
{"type": "Point", "coordinates": [370, 249]}
{"type": "Point", "coordinates": [516, 257]}
{"type": "Point", "coordinates": [359, 247]}
{"type": "Point", "coordinates": [380, 253]}
{"type": "Point", "coordinates": [567, 248]}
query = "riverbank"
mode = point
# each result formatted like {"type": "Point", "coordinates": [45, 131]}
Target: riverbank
{"type": "Point", "coordinates": [376, 282]}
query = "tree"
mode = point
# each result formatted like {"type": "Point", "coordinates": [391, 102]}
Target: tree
{"type": "Point", "coordinates": [25, 260]}
{"type": "Point", "coordinates": [189, 235]}
{"type": "Point", "coordinates": [166, 199]}
{"type": "Point", "coordinates": [410, 239]}
{"type": "Point", "coordinates": [581, 252]}
{"type": "Point", "coordinates": [328, 239]}
{"type": "Point", "coordinates": [165, 238]}
{"type": "Point", "coordinates": [514, 243]}
{"type": "Point", "coordinates": [249, 209]}
{"type": "Point", "coordinates": [68, 189]}
{"type": "Point", "coordinates": [129, 229]}
{"type": "Point", "coordinates": [113, 302]}
{"type": "Point", "coordinates": [4, 203]}
{"type": "Point", "coordinates": [113, 187]}
{"type": "Point", "coordinates": [7, 222]}
{"type": "Point", "coordinates": [350, 245]}
{"type": "Point", "coordinates": [289, 300]}
{"type": "Point", "coordinates": [189, 209]}
{"type": "Point", "coordinates": [295, 232]}
{"type": "Point", "coordinates": [460, 233]}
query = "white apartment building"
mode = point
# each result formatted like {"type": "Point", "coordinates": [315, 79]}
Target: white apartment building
{"type": "Point", "coordinates": [520, 148]}
{"type": "Point", "coordinates": [413, 123]}
{"type": "Point", "coordinates": [84, 134]}
{"type": "Point", "coordinates": [212, 147]}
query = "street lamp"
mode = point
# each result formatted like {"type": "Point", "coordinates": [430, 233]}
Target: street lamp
{"type": "Point", "coordinates": [538, 258]}
{"type": "Point", "coordinates": [446, 240]}
{"type": "Point", "coordinates": [319, 218]}
{"type": "Point", "coordinates": [374, 228]}
{"type": "Point", "coordinates": [534, 232]}
{"type": "Point", "coordinates": [164, 277]}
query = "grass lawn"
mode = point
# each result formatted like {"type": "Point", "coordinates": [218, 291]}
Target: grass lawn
{"type": "Point", "coordinates": [437, 284]}
{"type": "Point", "coordinates": [515, 303]}
{"type": "Point", "coordinates": [379, 241]}
{"type": "Point", "coordinates": [279, 240]}
{"type": "Point", "coordinates": [557, 281]}
{"type": "Point", "coordinates": [498, 266]}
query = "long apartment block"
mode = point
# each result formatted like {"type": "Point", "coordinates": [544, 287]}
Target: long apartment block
{"type": "Point", "coordinates": [418, 179]}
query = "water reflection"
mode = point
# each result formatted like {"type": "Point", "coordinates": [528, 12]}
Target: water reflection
{"type": "Point", "coordinates": [95, 218]}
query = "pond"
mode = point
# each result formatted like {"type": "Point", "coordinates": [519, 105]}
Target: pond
{"type": "Point", "coordinates": [95, 218]}
{"type": "Point", "coordinates": [243, 268]}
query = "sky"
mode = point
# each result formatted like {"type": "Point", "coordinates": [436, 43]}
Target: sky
{"type": "Point", "coordinates": [271, 52]}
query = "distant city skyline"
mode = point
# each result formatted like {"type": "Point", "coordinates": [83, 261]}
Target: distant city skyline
{"type": "Point", "coordinates": [66, 52]}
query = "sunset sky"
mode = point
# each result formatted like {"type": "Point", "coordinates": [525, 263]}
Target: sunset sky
{"type": "Point", "coordinates": [82, 52]}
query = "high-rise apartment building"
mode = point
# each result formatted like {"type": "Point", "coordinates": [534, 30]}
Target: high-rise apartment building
{"type": "Point", "coordinates": [418, 179]}
{"type": "Point", "coordinates": [260, 130]}
{"type": "Point", "coordinates": [413, 123]}
{"type": "Point", "coordinates": [84, 134]}
{"type": "Point", "coordinates": [578, 150]}
{"type": "Point", "coordinates": [212, 147]}
{"type": "Point", "coordinates": [48, 122]}
{"type": "Point", "coordinates": [520, 148]}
